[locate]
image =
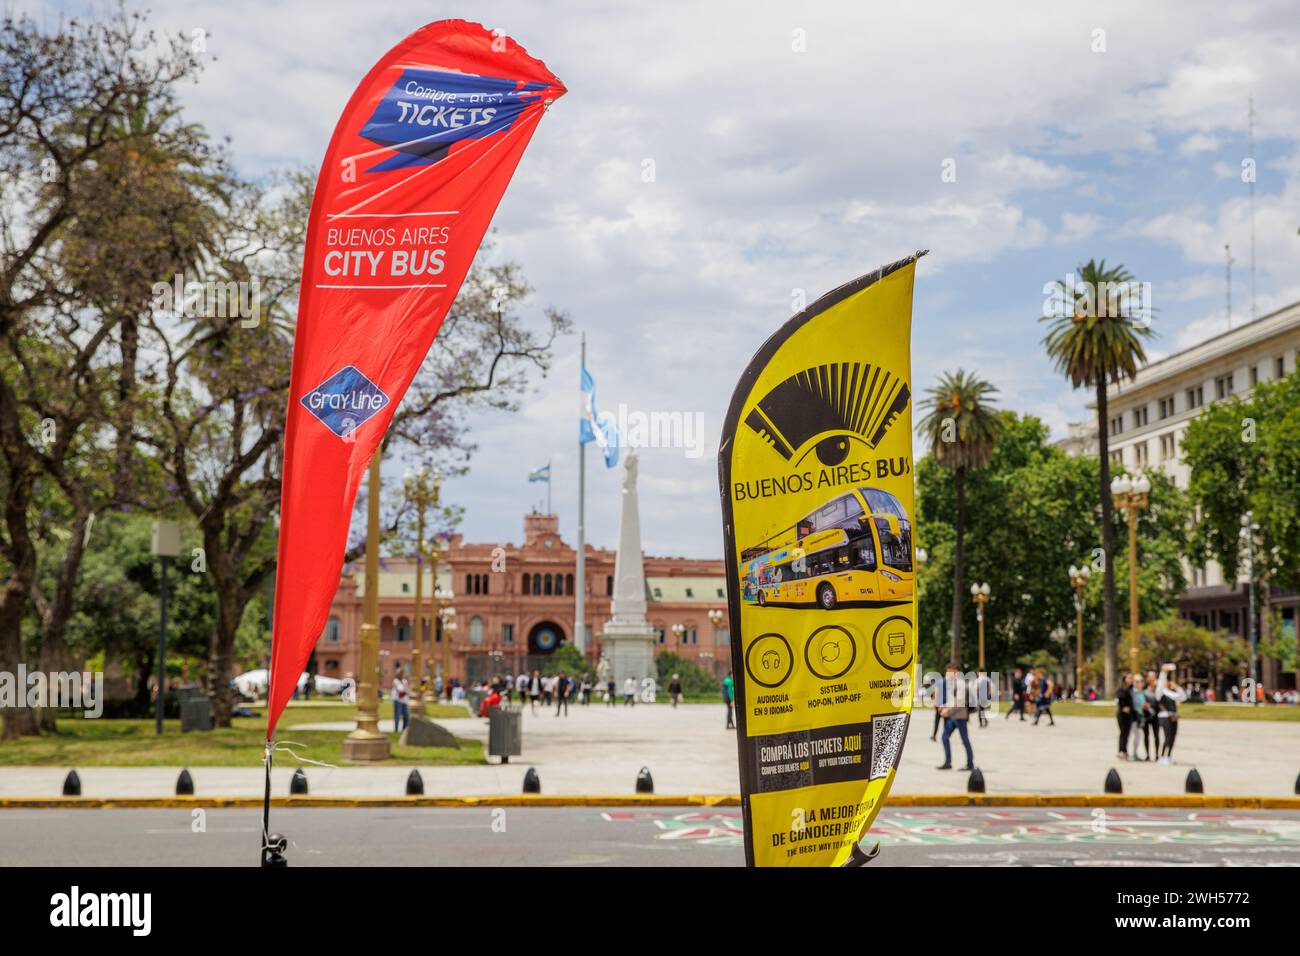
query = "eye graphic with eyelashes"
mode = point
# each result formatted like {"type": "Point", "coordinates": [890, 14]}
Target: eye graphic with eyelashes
{"type": "Point", "coordinates": [825, 409]}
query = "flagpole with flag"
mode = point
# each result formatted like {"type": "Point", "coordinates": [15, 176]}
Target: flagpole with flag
{"type": "Point", "coordinates": [543, 474]}
{"type": "Point", "coordinates": [580, 599]}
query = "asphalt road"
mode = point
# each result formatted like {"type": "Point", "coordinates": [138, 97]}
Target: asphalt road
{"type": "Point", "coordinates": [665, 836]}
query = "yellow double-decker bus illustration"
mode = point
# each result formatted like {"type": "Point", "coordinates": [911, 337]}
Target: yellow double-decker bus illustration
{"type": "Point", "coordinates": [855, 550]}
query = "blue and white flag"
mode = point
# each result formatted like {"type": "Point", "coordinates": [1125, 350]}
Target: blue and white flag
{"type": "Point", "coordinates": [595, 426]}
{"type": "Point", "coordinates": [540, 474]}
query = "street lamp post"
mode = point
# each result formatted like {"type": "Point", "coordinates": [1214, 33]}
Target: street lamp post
{"type": "Point", "coordinates": [166, 545]}
{"type": "Point", "coordinates": [423, 489]}
{"type": "Point", "coordinates": [1248, 529]}
{"type": "Point", "coordinates": [1079, 580]}
{"type": "Point", "coordinates": [678, 631]}
{"type": "Point", "coordinates": [980, 595]}
{"type": "Point", "coordinates": [1132, 495]}
{"type": "Point", "coordinates": [447, 616]}
{"type": "Point", "coordinates": [921, 558]}
{"type": "Point", "coordinates": [366, 743]}
{"type": "Point", "coordinates": [716, 617]}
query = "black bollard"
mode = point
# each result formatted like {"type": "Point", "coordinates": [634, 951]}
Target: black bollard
{"type": "Point", "coordinates": [1194, 784]}
{"type": "Point", "coordinates": [273, 852]}
{"type": "Point", "coordinates": [72, 784]}
{"type": "Point", "coordinates": [414, 784]}
{"type": "Point", "coordinates": [185, 784]}
{"type": "Point", "coordinates": [1297, 785]}
{"type": "Point", "coordinates": [298, 785]}
{"type": "Point", "coordinates": [1112, 782]}
{"type": "Point", "coordinates": [532, 782]}
{"type": "Point", "coordinates": [975, 784]}
{"type": "Point", "coordinates": [644, 782]}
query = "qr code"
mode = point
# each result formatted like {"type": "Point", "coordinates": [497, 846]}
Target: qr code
{"type": "Point", "coordinates": [887, 733]}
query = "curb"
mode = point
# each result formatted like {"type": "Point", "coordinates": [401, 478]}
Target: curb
{"type": "Point", "coordinates": [1154, 801]}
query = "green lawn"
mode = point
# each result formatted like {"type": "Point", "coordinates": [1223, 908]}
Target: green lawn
{"type": "Point", "coordinates": [1216, 711]}
{"type": "Point", "coordinates": [133, 743]}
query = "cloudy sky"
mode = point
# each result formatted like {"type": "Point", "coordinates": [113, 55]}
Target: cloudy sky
{"type": "Point", "coordinates": [794, 149]}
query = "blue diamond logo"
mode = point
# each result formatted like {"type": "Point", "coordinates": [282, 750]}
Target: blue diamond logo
{"type": "Point", "coordinates": [345, 401]}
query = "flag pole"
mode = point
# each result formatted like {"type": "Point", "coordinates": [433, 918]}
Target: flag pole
{"type": "Point", "coordinates": [580, 595]}
{"type": "Point", "coordinates": [549, 510]}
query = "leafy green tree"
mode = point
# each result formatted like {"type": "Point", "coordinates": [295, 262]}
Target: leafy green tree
{"type": "Point", "coordinates": [696, 681]}
{"type": "Point", "coordinates": [1196, 650]}
{"type": "Point", "coordinates": [84, 107]}
{"type": "Point", "coordinates": [1243, 456]}
{"type": "Point", "coordinates": [1095, 339]}
{"type": "Point", "coordinates": [566, 658]}
{"type": "Point", "coordinates": [961, 427]}
{"type": "Point", "coordinates": [1032, 513]}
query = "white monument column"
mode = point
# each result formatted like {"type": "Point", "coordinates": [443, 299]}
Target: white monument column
{"type": "Point", "coordinates": [628, 637]}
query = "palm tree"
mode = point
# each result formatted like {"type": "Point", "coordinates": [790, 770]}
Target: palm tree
{"type": "Point", "coordinates": [1095, 341]}
{"type": "Point", "coordinates": [962, 427]}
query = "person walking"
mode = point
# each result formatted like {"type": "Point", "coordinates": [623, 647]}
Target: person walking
{"type": "Point", "coordinates": [562, 690]}
{"type": "Point", "coordinates": [1168, 696]}
{"type": "Point", "coordinates": [939, 698]}
{"type": "Point", "coordinates": [401, 709]}
{"type": "Point", "coordinates": [1138, 729]}
{"type": "Point", "coordinates": [548, 689]}
{"type": "Point", "coordinates": [1124, 714]}
{"type": "Point", "coordinates": [1043, 703]}
{"type": "Point", "coordinates": [675, 689]}
{"type": "Point", "coordinates": [728, 697]}
{"type": "Point", "coordinates": [956, 717]}
{"type": "Point", "coordinates": [585, 690]}
{"type": "Point", "coordinates": [611, 698]}
{"type": "Point", "coordinates": [1153, 724]}
{"type": "Point", "coordinates": [1017, 694]}
{"type": "Point", "coordinates": [535, 690]}
{"type": "Point", "coordinates": [629, 692]}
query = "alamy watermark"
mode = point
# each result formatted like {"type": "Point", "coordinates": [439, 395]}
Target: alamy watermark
{"type": "Point", "coordinates": [75, 690]}
{"type": "Point", "coordinates": [210, 299]}
{"type": "Point", "coordinates": [662, 429]}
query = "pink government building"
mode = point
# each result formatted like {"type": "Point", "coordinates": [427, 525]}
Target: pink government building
{"type": "Point", "coordinates": [511, 618]}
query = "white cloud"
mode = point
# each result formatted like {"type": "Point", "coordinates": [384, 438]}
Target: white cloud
{"type": "Point", "coordinates": [779, 170]}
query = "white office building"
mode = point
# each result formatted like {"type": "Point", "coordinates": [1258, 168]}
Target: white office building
{"type": "Point", "coordinates": [1149, 416]}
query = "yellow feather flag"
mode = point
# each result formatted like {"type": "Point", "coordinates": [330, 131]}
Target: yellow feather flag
{"type": "Point", "coordinates": [818, 502]}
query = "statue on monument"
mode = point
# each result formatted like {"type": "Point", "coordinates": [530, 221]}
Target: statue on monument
{"type": "Point", "coordinates": [629, 473]}
{"type": "Point", "coordinates": [602, 669]}
{"type": "Point", "coordinates": [628, 636]}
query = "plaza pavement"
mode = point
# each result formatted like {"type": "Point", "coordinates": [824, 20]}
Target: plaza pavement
{"type": "Point", "coordinates": [598, 750]}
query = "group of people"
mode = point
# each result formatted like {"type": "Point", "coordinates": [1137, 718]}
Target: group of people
{"type": "Point", "coordinates": [1033, 688]}
{"type": "Point", "coordinates": [1146, 706]}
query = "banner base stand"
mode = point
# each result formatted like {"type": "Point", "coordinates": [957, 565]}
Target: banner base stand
{"type": "Point", "coordinates": [861, 857]}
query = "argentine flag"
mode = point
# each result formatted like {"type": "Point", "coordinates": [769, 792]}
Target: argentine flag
{"type": "Point", "coordinates": [540, 474]}
{"type": "Point", "coordinates": [597, 427]}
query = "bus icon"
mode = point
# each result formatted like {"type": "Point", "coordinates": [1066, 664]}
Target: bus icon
{"type": "Point", "coordinates": [896, 642]}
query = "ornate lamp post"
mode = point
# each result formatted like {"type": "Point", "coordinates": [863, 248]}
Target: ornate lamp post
{"type": "Point", "coordinates": [1079, 581]}
{"type": "Point", "coordinates": [1248, 529]}
{"type": "Point", "coordinates": [447, 617]}
{"type": "Point", "coordinates": [366, 743]}
{"type": "Point", "coordinates": [921, 557]}
{"type": "Point", "coordinates": [679, 632]}
{"type": "Point", "coordinates": [980, 595]}
{"type": "Point", "coordinates": [716, 617]}
{"type": "Point", "coordinates": [423, 488]}
{"type": "Point", "coordinates": [1132, 495]}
